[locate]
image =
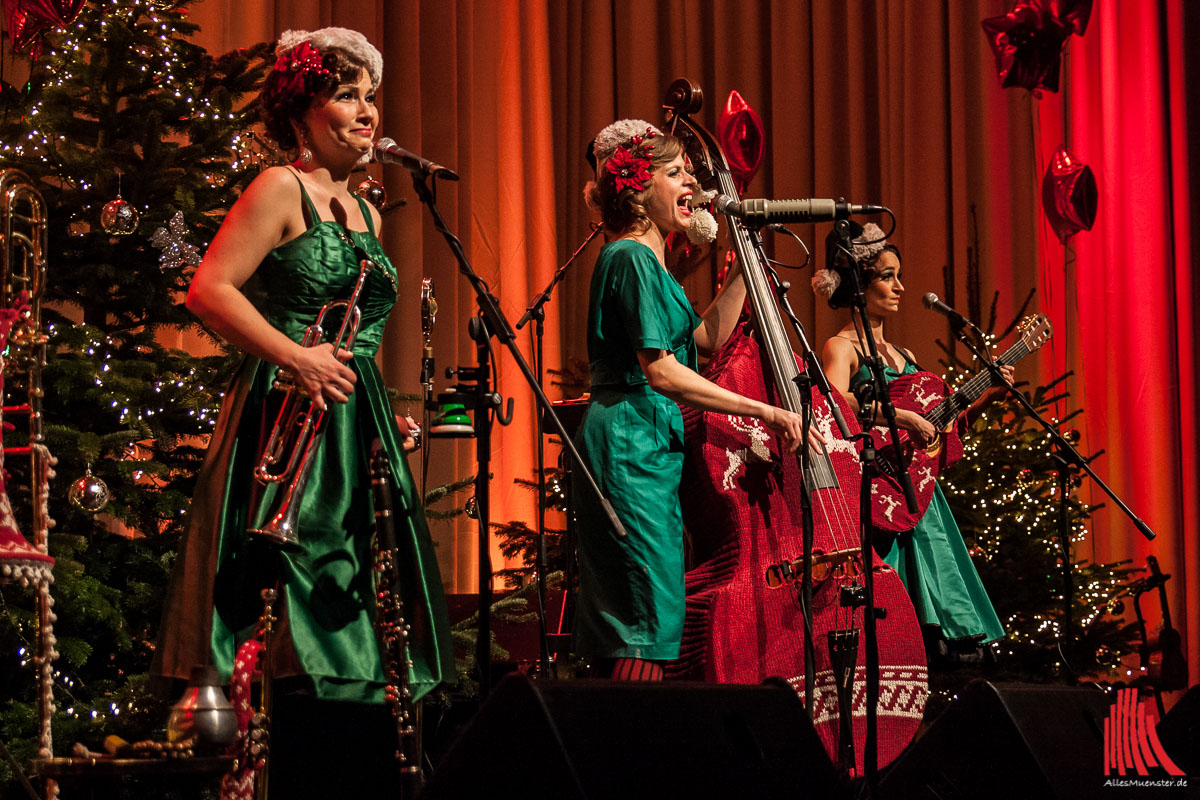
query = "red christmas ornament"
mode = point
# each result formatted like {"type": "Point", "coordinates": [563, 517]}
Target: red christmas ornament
{"type": "Point", "coordinates": [1028, 41]}
{"type": "Point", "coordinates": [740, 132]}
{"type": "Point", "coordinates": [1069, 195]}
{"type": "Point", "coordinates": [29, 19]}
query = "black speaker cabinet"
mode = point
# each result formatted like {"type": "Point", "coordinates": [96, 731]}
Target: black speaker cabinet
{"type": "Point", "coordinates": [592, 739]}
{"type": "Point", "coordinates": [1179, 732]}
{"type": "Point", "coordinates": [1009, 741]}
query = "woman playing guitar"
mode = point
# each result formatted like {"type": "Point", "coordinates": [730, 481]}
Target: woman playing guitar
{"type": "Point", "coordinates": [932, 560]}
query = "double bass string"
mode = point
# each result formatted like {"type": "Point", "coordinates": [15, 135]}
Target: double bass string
{"type": "Point", "coordinates": [835, 510]}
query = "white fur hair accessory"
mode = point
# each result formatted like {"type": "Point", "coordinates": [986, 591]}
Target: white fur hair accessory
{"type": "Point", "coordinates": [345, 39]}
{"type": "Point", "coordinates": [864, 248]}
{"type": "Point", "coordinates": [825, 282]}
{"type": "Point", "coordinates": [613, 136]}
{"type": "Point", "coordinates": [869, 244]}
{"type": "Point", "coordinates": [702, 226]}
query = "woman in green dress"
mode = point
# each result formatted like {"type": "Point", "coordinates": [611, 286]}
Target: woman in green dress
{"type": "Point", "coordinates": [300, 233]}
{"type": "Point", "coordinates": [643, 340]}
{"type": "Point", "coordinates": [932, 558]}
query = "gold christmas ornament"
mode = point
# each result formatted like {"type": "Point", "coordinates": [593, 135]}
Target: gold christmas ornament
{"type": "Point", "coordinates": [118, 217]}
{"type": "Point", "coordinates": [373, 192]}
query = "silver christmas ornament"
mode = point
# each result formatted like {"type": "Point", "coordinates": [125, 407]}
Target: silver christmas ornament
{"type": "Point", "coordinates": [176, 253]}
{"type": "Point", "coordinates": [89, 493]}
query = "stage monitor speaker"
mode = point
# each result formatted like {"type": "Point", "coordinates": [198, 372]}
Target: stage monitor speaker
{"type": "Point", "coordinates": [1179, 732]}
{"type": "Point", "coordinates": [599, 739]}
{"type": "Point", "coordinates": [1007, 741]}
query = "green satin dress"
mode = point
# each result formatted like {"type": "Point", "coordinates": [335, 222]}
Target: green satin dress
{"type": "Point", "coordinates": [934, 564]}
{"type": "Point", "coordinates": [631, 593]}
{"type": "Point", "coordinates": [326, 608]}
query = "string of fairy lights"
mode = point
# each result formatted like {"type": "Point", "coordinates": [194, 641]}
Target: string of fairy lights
{"type": "Point", "coordinates": [1026, 502]}
{"type": "Point", "coordinates": [1011, 505]}
{"type": "Point", "coordinates": [190, 385]}
{"type": "Point", "coordinates": [165, 71]}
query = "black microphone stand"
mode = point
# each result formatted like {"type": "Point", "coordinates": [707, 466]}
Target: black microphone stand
{"type": "Point", "coordinates": [492, 322]}
{"type": "Point", "coordinates": [1070, 460]}
{"type": "Point", "coordinates": [537, 312]}
{"type": "Point", "coordinates": [874, 397]}
{"type": "Point", "coordinates": [812, 374]}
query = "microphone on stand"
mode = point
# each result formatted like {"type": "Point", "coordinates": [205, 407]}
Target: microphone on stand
{"type": "Point", "coordinates": [762, 212]}
{"type": "Point", "coordinates": [932, 302]}
{"type": "Point", "coordinates": [386, 151]}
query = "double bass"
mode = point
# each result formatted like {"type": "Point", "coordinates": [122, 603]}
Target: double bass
{"type": "Point", "coordinates": [741, 501]}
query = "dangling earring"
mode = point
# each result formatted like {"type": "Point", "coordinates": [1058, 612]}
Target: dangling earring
{"type": "Point", "coordinates": [305, 153]}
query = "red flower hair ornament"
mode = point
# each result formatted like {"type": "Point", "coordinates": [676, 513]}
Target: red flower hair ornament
{"type": "Point", "coordinates": [303, 62]}
{"type": "Point", "coordinates": [630, 164]}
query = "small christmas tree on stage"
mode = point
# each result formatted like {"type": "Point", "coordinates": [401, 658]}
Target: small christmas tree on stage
{"type": "Point", "coordinates": [138, 141]}
{"type": "Point", "coordinates": [519, 540]}
{"type": "Point", "coordinates": [1007, 496]}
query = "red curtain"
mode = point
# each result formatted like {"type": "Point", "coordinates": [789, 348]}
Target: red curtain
{"type": "Point", "coordinates": [1123, 294]}
{"type": "Point", "coordinates": [875, 101]}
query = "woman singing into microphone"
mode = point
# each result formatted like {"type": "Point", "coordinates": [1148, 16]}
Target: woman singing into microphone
{"type": "Point", "coordinates": [643, 338]}
{"type": "Point", "coordinates": [300, 234]}
{"type": "Point", "coordinates": [932, 559]}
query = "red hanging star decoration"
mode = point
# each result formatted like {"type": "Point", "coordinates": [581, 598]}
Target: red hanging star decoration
{"type": "Point", "coordinates": [1069, 195]}
{"type": "Point", "coordinates": [740, 132]}
{"type": "Point", "coordinates": [29, 19]}
{"type": "Point", "coordinates": [1028, 41]}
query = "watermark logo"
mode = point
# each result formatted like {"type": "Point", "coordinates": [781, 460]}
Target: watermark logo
{"type": "Point", "coordinates": [1131, 745]}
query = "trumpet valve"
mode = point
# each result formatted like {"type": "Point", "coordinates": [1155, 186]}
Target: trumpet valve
{"type": "Point", "coordinates": [284, 381]}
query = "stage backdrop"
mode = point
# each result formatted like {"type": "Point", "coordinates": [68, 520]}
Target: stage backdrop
{"type": "Point", "coordinates": [891, 102]}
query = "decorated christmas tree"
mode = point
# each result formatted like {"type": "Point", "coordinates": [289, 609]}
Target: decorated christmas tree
{"type": "Point", "coordinates": [1014, 502]}
{"type": "Point", "coordinates": [1007, 494]}
{"type": "Point", "coordinates": [138, 140]}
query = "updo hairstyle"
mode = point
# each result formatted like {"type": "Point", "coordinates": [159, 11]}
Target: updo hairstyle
{"type": "Point", "coordinates": [624, 209]}
{"type": "Point", "coordinates": [311, 65]}
{"type": "Point", "coordinates": [836, 285]}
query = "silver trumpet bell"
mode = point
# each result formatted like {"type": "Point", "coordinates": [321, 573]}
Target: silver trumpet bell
{"type": "Point", "coordinates": [299, 428]}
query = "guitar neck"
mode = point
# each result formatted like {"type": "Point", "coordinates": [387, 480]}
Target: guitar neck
{"type": "Point", "coordinates": [945, 412]}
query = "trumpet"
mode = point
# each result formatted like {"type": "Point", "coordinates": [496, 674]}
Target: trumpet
{"type": "Point", "coordinates": [299, 428]}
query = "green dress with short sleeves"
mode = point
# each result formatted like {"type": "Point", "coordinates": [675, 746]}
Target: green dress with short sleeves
{"type": "Point", "coordinates": [325, 637]}
{"type": "Point", "coordinates": [934, 564]}
{"type": "Point", "coordinates": [631, 592]}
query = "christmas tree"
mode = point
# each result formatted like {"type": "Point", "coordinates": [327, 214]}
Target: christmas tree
{"type": "Point", "coordinates": [1007, 494]}
{"type": "Point", "coordinates": [138, 140]}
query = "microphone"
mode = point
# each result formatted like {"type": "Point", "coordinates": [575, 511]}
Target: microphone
{"type": "Point", "coordinates": [386, 151]}
{"type": "Point", "coordinates": [761, 212]}
{"type": "Point", "coordinates": [932, 302]}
